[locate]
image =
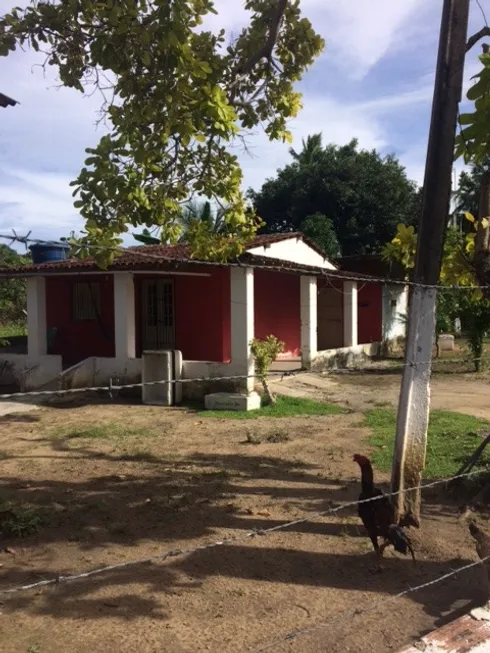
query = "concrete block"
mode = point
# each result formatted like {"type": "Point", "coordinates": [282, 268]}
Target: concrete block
{"type": "Point", "coordinates": [158, 367]}
{"type": "Point", "coordinates": [230, 401]}
{"type": "Point", "coordinates": [446, 342]}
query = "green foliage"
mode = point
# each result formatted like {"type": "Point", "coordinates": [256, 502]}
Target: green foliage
{"type": "Point", "coordinates": [265, 353]}
{"type": "Point", "coordinates": [468, 192]}
{"type": "Point", "coordinates": [364, 194]}
{"type": "Point", "coordinates": [475, 322]}
{"type": "Point", "coordinates": [471, 306]}
{"type": "Point", "coordinates": [320, 229]}
{"type": "Point", "coordinates": [284, 407]}
{"type": "Point", "coordinates": [473, 141]}
{"type": "Point", "coordinates": [201, 215]}
{"type": "Point", "coordinates": [452, 438]}
{"type": "Point", "coordinates": [176, 96]}
{"type": "Point", "coordinates": [458, 251]}
{"type": "Point", "coordinates": [13, 298]}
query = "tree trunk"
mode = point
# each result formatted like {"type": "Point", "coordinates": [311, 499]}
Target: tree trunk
{"type": "Point", "coordinates": [413, 409]}
{"type": "Point", "coordinates": [268, 392]}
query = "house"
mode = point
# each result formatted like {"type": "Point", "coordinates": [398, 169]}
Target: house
{"type": "Point", "coordinates": [86, 325]}
{"type": "Point", "coordinates": [382, 309]}
{"type": "Point", "coordinates": [6, 101]}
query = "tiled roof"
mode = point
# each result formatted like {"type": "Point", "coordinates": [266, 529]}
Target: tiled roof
{"type": "Point", "coordinates": [162, 257]}
{"type": "Point", "coordinates": [6, 101]}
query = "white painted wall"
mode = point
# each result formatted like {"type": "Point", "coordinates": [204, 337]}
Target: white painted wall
{"type": "Point", "coordinates": [295, 251]}
{"type": "Point", "coordinates": [27, 371]}
{"type": "Point", "coordinates": [343, 356]}
{"type": "Point", "coordinates": [309, 325]}
{"type": "Point", "coordinates": [242, 322]}
{"type": "Point", "coordinates": [350, 314]}
{"type": "Point", "coordinates": [37, 343]}
{"type": "Point", "coordinates": [124, 315]}
{"type": "Point", "coordinates": [395, 305]}
{"type": "Point", "coordinates": [96, 371]}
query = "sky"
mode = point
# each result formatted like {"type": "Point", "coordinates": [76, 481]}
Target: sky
{"type": "Point", "coordinates": [374, 82]}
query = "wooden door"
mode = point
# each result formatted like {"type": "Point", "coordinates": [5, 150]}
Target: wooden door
{"type": "Point", "coordinates": [330, 308]}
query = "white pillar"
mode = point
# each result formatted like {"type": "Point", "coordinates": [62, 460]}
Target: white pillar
{"type": "Point", "coordinates": [308, 303]}
{"type": "Point", "coordinates": [350, 314]}
{"type": "Point", "coordinates": [124, 315]}
{"type": "Point", "coordinates": [242, 323]}
{"type": "Point", "coordinates": [37, 342]}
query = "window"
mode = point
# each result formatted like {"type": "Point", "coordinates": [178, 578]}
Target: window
{"type": "Point", "coordinates": [86, 300]}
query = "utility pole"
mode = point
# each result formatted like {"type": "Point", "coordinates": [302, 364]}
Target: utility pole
{"type": "Point", "coordinates": [413, 407]}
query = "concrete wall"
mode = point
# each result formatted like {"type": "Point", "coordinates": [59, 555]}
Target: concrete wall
{"type": "Point", "coordinates": [295, 251]}
{"type": "Point", "coordinates": [395, 305]}
{"type": "Point", "coordinates": [28, 372]}
{"type": "Point", "coordinates": [344, 356]}
{"type": "Point", "coordinates": [95, 371]}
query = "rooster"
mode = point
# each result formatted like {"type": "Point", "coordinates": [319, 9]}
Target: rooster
{"type": "Point", "coordinates": [378, 516]}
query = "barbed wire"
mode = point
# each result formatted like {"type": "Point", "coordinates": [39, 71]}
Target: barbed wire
{"type": "Point", "coordinates": [314, 271]}
{"type": "Point", "coordinates": [178, 552]}
{"type": "Point", "coordinates": [346, 616]}
{"type": "Point", "coordinates": [111, 387]}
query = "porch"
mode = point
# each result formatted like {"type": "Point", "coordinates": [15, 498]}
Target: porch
{"type": "Point", "coordinates": [90, 327]}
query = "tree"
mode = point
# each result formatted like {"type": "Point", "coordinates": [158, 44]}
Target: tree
{"type": "Point", "coordinates": [468, 191]}
{"type": "Point", "coordinates": [364, 194]}
{"type": "Point", "coordinates": [265, 352]}
{"type": "Point", "coordinates": [175, 96]}
{"type": "Point", "coordinates": [473, 144]}
{"type": "Point", "coordinates": [469, 304]}
{"type": "Point", "coordinates": [13, 298]}
{"type": "Point", "coordinates": [193, 216]}
{"type": "Point", "coordinates": [203, 213]}
{"type": "Point", "coordinates": [311, 152]}
{"type": "Point", "coordinates": [320, 229]}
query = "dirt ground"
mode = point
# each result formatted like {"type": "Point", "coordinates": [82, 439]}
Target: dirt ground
{"type": "Point", "coordinates": [144, 480]}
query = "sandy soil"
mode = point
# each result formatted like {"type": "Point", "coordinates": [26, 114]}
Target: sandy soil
{"type": "Point", "coordinates": [177, 479]}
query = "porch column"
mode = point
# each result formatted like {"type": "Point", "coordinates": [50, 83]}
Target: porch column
{"type": "Point", "coordinates": [350, 313]}
{"type": "Point", "coordinates": [124, 317]}
{"type": "Point", "coordinates": [242, 323]}
{"type": "Point", "coordinates": [308, 301]}
{"type": "Point", "coordinates": [37, 341]}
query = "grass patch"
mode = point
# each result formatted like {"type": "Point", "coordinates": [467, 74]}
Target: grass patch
{"type": "Point", "coordinates": [285, 407]}
{"type": "Point", "coordinates": [12, 330]}
{"type": "Point", "coordinates": [19, 521]}
{"type": "Point", "coordinates": [100, 431]}
{"type": "Point", "coordinates": [452, 438]}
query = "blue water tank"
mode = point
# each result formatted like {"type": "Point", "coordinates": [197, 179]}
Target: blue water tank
{"type": "Point", "coordinates": [49, 252]}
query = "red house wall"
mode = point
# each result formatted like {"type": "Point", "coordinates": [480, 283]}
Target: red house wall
{"type": "Point", "coordinates": [202, 315]}
{"type": "Point", "coordinates": [277, 308]}
{"type": "Point", "coordinates": [77, 340]}
{"type": "Point", "coordinates": [370, 313]}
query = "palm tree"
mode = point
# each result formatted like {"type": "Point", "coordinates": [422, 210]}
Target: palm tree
{"type": "Point", "coordinates": [195, 211]}
{"type": "Point", "coordinates": [312, 149]}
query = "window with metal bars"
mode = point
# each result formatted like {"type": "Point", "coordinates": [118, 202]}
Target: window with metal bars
{"type": "Point", "coordinates": [86, 300]}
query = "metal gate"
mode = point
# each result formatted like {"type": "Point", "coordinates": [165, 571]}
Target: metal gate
{"type": "Point", "coordinates": [158, 321]}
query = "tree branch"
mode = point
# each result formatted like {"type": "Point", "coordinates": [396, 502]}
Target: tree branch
{"type": "Point", "coordinates": [485, 31]}
{"type": "Point", "coordinates": [265, 52]}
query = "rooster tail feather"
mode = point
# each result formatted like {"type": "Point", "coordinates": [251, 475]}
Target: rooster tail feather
{"type": "Point", "coordinates": [400, 540]}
